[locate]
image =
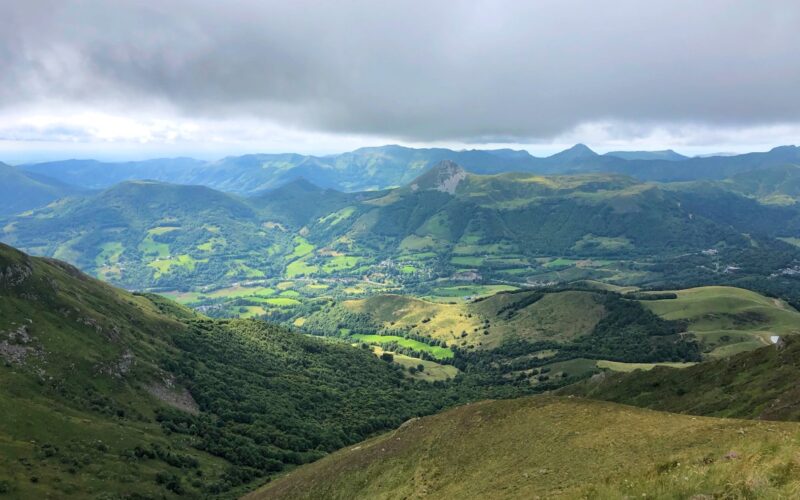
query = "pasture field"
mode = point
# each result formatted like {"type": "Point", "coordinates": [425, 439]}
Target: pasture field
{"type": "Point", "coordinates": [728, 320]}
{"type": "Point", "coordinates": [792, 241]}
{"type": "Point", "coordinates": [239, 269]}
{"type": "Point", "coordinates": [469, 261]}
{"type": "Point", "coordinates": [302, 247]}
{"type": "Point", "coordinates": [282, 301]}
{"type": "Point", "coordinates": [246, 312]}
{"type": "Point", "coordinates": [300, 268]}
{"type": "Point", "coordinates": [163, 266]}
{"type": "Point", "coordinates": [336, 217]}
{"type": "Point", "coordinates": [560, 262]}
{"type": "Point", "coordinates": [618, 366]}
{"type": "Point", "coordinates": [213, 244]}
{"type": "Point", "coordinates": [240, 291]}
{"type": "Point", "coordinates": [473, 291]}
{"type": "Point", "coordinates": [340, 263]}
{"type": "Point", "coordinates": [234, 292]}
{"type": "Point", "coordinates": [414, 242]}
{"type": "Point", "coordinates": [432, 372]}
{"type": "Point", "coordinates": [578, 367]}
{"type": "Point", "coordinates": [109, 253]}
{"type": "Point", "coordinates": [435, 351]}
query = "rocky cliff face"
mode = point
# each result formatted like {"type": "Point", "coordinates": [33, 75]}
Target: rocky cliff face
{"type": "Point", "coordinates": [445, 176]}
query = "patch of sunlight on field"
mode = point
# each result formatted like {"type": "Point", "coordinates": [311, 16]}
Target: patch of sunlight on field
{"type": "Point", "coordinates": [619, 366]}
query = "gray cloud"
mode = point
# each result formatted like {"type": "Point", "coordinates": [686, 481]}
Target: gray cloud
{"type": "Point", "coordinates": [419, 70]}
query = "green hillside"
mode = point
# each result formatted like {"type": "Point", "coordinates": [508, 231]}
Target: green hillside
{"type": "Point", "coordinates": [778, 185]}
{"type": "Point", "coordinates": [107, 392]}
{"type": "Point", "coordinates": [545, 447]}
{"type": "Point", "coordinates": [727, 320]}
{"type": "Point", "coordinates": [144, 234]}
{"type": "Point", "coordinates": [21, 191]}
{"type": "Point", "coordinates": [759, 384]}
{"type": "Point", "coordinates": [536, 338]}
{"type": "Point", "coordinates": [447, 224]}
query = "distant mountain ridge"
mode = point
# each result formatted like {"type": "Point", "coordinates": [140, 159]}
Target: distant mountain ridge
{"type": "Point", "coordinates": [390, 166]}
{"type": "Point", "coordinates": [149, 234]}
{"type": "Point", "coordinates": [21, 190]}
{"type": "Point", "coordinates": [666, 154]}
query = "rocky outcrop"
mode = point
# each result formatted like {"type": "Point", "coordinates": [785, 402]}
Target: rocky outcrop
{"type": "Point", "coordinates": [168, 392]}
{"type": "Point", "coordinates": [445, 176]}
{"type": "Point", "coordinates": [15, 274]}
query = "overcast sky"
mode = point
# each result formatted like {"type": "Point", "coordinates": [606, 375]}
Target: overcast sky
{"type": "Point", "coordinates": [128, 78]}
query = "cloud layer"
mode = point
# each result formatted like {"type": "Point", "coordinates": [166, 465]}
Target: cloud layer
{"type": "Point", "coordinates": [477, 71]}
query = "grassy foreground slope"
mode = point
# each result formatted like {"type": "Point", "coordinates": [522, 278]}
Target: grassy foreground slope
{"type": "Point", "coordinates": [759, 384]}
{"type": "Point", "coordinates": [557, 448]}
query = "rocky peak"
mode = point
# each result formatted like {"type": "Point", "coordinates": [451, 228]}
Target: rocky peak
{"type": "Point", "coordinates": [445, 176]}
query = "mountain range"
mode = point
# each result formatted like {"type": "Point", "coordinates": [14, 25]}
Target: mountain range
{"type": "Point", "coordinates": [389, 166]}
{"type": "Point", "coordinates": [510, 226]}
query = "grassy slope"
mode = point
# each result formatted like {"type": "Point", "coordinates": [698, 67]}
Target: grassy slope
{"type": "Point", "coordinates": [556, 448]}
{"type": "Point", "coordinates": [70, 408]}
{"type": "Point", "coordinates": [557, 316]}
{"type": "Point", "coordinates": [235, 401]}
{"type": "Point", "coordinates": [727, 319]}
{"type": "Point", "coordinates": [758, 384]}
{"type": "Point", "coordinates": [21, 191]}
{"type": "Point", "coordinates": [158, 231]}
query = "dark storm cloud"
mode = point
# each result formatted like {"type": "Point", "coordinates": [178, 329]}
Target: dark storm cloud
{"type": "Point", "coordinates": [417, 70]}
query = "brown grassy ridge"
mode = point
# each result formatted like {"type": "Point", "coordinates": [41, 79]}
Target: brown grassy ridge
{"type": "Point", "coordinates": [557, 447]}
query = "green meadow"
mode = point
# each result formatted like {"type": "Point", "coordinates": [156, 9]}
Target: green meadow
{"type": "Point", "coordinates": [435, 351]}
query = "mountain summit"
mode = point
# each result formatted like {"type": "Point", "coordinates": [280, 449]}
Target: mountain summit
{"type": "Point", "coordinates": [444, 176]}
{"type": "Point", "coordinates": [576, 152]}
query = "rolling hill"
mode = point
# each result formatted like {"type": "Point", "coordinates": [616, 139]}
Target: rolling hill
{"type": "Point", "coordinates": [778, 185]}
{"type": "Point", "coordinates": [728, 320]}
{"type": "Point", "coordinates": [666, 154]}
{"type": "Point", "coordinates": [93, 174]}
{"type": "Point", "coordinates": [21, 191]}
{"type": "Point", "coordinates": [545, 447]}
{"type": "Point", "coordinates": [758, 384]}
{"type": "Point", "coordinates": [148, 234]}
{"type": "Point", "coordinates": [104, 392]}
{"type": "Point", "coordinates": [570, 331]}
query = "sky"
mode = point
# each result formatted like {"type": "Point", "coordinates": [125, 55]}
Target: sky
{"type": "Point", "coordinates": [128, 79]}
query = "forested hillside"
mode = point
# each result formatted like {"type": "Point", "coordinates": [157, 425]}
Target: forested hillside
{"type": "Point", "coordinates": [758, 384]}
{"type": "Point", "coordinates": [103, 391]}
